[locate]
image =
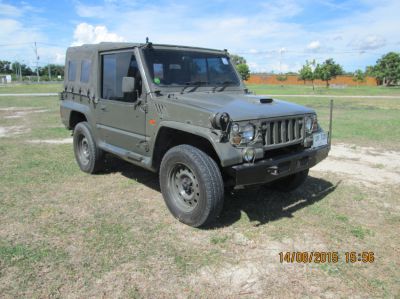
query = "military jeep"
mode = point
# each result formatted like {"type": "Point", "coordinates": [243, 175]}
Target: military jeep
{"type": "Point", "coordinates": [185, 113]}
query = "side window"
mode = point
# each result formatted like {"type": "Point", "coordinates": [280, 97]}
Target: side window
{"type": "Point", "coordinates": [114, 68]}
{"type": "Point", "coordinates": [71, 70]}
{"type": "Point", "coordinates": [85, 70]}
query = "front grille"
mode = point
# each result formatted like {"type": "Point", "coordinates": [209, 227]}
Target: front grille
{"type": "Point", "coordinates": [281, 132]}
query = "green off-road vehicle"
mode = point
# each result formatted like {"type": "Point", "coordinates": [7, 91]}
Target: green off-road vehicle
{"type": "Point", "coordinates": [184, 113]}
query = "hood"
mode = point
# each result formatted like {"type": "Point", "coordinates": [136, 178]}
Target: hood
{"type": "Point", "coordinates": [242, 106]}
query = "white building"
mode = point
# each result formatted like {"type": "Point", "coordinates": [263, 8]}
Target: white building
{"type": "Point", "coordinates": [4, 79]}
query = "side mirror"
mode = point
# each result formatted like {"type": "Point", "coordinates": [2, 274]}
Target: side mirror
{"type": "Point", "coordinates": [128, 84]}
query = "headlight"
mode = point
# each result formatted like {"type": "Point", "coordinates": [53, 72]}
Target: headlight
{"type": "Point", "coordinates": [249, 154]}
{"type": "Point", "coordinates": [242, 134]}
{"type": "Point", "coordinates": [311, 123]}
{"type": "Point", "coordinates": [220, 121]}
{"type": "Point", "coordinates": [235, 128]}
{"type": "Point", "coordinates": [248, 132]}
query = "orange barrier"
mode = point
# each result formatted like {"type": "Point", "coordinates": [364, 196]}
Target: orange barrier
{"type": "Point", "coordinates": [294, 80]}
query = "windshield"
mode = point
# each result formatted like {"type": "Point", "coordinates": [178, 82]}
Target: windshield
{"type": "Point", "coordinates": [189, 68]}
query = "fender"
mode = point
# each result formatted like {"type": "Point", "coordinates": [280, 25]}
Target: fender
{"type": "Point", "coordinates": [227, 154]}
{"type": "Point", "coordinates": [67, 107]}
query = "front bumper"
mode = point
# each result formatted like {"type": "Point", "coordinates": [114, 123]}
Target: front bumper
{"type": "Point", "coordinates": [268, 170]}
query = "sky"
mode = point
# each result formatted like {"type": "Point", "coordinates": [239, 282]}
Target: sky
{"type": "Point", "coordinates": [276, 36]}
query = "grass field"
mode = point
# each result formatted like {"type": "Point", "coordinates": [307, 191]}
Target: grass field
{"type": "Point", "coordinates": [67, 234]}
{"type": "Point", "coordinates": [31, 88]}
{"type": "Point", "coordinates": [322, 90]}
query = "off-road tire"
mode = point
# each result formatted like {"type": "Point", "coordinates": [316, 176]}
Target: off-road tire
{"type": "Point", "coordinates": [291, 182]}
{"type": "Point", "coordinates": [88, 156]}
{"type": "Point", "coordinates": [185, 165]}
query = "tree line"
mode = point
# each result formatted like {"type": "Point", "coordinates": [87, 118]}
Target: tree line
{"type": "Point", "coordinates": [19, 70]}
{"type": "Point", "coordinates": [386, 71]}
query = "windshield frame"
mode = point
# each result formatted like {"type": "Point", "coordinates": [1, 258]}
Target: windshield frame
{"type": "Point", "coordinates": [199, 87]}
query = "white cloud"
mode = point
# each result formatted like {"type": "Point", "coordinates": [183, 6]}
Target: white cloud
{"type": "Point", "coordinates": [260, 32]}
{"type": "Point", "coordinates": [85, 11]}
{"type": "Point", "coordinates": [256, 31]}
{"type": "Point", "coordinates": [9, 10]}
{"type": "Point", "coordinates": [88, 34]}
{"type": "Point", "coordinates": [60, 58]}
{"type": "Point", "coordinates": [370, 42]}
{"type": "Point", "coordinates": [314, 45]}
{"type": "Point", "coordinates": [282, 9]}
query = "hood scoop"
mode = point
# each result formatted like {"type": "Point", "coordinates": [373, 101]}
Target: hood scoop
{"type": "Point", "coordinates": [266, 100]}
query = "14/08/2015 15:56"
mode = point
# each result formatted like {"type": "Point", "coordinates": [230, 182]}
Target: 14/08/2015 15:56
{"type": "Point", "coordinates": [326, 257]}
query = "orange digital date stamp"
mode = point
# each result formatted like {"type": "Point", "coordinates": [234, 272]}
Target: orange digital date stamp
{"type": "Point", "coordinates": [322, 257]}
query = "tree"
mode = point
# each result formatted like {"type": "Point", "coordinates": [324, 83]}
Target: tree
{"type": "Point", "coordinates": [387, 69]}
{"type": "Point", "coordinates": [55, 70]}
{"type": "Point", "coordinates": [359, 76]}
{"type": "Point", "coordinates": [243, 70]}
{"type": "Point", "coordinates": [5, 67]}
{"type": "Point", "coordinates": [328, 70]}
{"type": "Point", "coordinates": [236, 59]}
{"type": "Point", "coordinates": [372, 71]}
{"type": "Point", "coordinates": [281, 78]}
{"type": "Point", "coordinates": [25, 70]}
{"type": "Point", "coordinates": [307, 72]}
{"type": "Point", "coordinates": [241, 66]}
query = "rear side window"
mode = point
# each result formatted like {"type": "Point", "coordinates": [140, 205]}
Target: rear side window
{"type": "Point", "coordinates": [71, 70]}
{"type": "Point", "coordinates": [85, 70]}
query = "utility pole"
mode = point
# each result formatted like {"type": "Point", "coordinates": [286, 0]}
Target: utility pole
{"type": "Point", "coordinates": [49, 71]}
{"type": "Point", "coordinates": [37, 62]}
{"type": "Point", "coordinates": [281, 50]}
{"type": "Point", "coordinates": [20, 72]}
{"type": "Point", "coordinates": [16, 69]}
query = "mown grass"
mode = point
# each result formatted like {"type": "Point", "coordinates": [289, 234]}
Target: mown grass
{"type": "Point", "coordinates": [322, 90]}
{"type": "Point", "coordinates": [67, 234]}
{"type": "Point", "coordinates": [361, 121]}
{"type": "Point", "coordinates": [31, 88]}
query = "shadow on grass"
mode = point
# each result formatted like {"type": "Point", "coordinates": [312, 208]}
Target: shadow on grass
{"type": "Point", "coordinates": [260, 204]}
{"type": "Point", "coordinates": [139, 174]}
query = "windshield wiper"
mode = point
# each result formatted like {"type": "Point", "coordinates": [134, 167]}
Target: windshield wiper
{"type": "Point", "coordinates": [195, 85]}
{"type": "Point", "coordinates": [223, 85]}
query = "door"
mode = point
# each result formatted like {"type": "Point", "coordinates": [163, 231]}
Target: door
{"type": "Point", "coordinates": [120, 116]}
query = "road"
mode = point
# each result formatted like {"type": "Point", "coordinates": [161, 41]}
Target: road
{"type": "Point", "coordinates": [47, 94]}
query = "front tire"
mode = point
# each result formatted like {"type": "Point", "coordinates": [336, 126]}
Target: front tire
{"type": "Point", "coordinates": [192, 185]}
{"type": "Point", "coordinates": [88, 156]}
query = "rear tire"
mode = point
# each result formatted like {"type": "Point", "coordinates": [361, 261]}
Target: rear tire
{"type": "Point", "coordinates": [291, 182]}
{"type": "Point", "coordinates": [88, 156]}
{"type": "Point", "coordinates": [192, 185]}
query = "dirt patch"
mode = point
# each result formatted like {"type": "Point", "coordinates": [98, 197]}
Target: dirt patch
{"type": "Point", "coordinates": [258, 273]}
{"type": "Point", "coordinates": [12, 131]}
{"type": "Point", "coordinates": [363, 164]}
{"type": "Point", "coordinates": [23, 113]}
{"type": "Point", "coordinates": [51, 141]}
{"type": "Point", "coordinates": [20, 109]}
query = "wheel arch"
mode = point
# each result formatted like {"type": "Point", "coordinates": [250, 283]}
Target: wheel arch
{"type": "Point", "coordinates": [172, 134]}
{"type": "Point", "coordinates": [76, 117]}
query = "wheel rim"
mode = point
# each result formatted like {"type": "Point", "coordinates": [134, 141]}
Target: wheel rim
{"type": "Point", "coordinates": [83, 150]}
{"type": "Point", "coordinates": [184, 187]}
